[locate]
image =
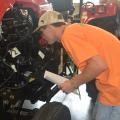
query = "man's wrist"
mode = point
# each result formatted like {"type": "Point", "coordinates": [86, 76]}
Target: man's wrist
{"type": "Point", "coordinates": [74, 83]}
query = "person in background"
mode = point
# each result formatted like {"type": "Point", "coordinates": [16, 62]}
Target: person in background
{"type": "Point", "coordinates": [95, 52]}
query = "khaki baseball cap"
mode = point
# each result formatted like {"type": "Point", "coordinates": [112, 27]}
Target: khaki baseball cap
{"type": "Point", "coordinates": [49, 17]}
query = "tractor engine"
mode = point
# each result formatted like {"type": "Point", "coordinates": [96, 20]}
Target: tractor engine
{"type": "Point", "coordinates": [23, 61]}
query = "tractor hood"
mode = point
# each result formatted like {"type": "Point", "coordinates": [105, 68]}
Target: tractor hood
{"type": "Point", "coordinates": [37, 2]}
{"type": "Point", "coordinates": [4, 6]}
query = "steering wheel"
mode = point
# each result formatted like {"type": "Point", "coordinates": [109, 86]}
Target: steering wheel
{"type": "Point", "coordinates": [89, 6]}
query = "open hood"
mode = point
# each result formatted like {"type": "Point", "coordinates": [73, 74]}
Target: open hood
{"type": "Point", "coordinates": [37, 2]}
{"type": "Point", "coordinates": [4, 6]}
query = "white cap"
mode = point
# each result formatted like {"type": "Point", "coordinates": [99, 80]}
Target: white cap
{"type": "Point", "coordinates": [50, 17]}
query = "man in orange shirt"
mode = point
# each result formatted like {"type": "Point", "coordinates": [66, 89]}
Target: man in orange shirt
{"type": "Point", "coordinates": [94, 51]}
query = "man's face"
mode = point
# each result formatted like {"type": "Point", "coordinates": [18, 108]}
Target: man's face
{"type": "Point", "coordinates": [48, 34]}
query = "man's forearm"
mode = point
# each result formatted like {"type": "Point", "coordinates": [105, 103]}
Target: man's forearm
{"type": "Point", "coordinates": [92, 70]}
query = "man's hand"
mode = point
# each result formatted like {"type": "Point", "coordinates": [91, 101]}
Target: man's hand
{"type": "Point", "coordinates": [67, 86]}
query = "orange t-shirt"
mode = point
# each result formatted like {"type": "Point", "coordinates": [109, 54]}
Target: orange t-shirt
{"type": "Point", "coordinates": [82, 42]}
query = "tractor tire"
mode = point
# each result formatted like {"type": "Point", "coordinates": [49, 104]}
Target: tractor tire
{"type": "Point", "coordinates": [53, 111]}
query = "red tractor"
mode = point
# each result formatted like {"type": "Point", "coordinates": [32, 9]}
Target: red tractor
{"type": "Point", "coordinates": [105, 15]}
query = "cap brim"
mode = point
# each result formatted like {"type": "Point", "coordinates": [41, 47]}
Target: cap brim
{"type": "Point", "coordinates": [47, 24]}
{"type": "Point", "coordinates": [36, 29]}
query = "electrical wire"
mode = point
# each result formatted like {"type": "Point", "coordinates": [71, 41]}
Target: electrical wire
{"type": "Point", "coordinates": [6, 80]}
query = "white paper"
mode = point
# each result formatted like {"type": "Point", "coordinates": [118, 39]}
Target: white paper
{"type": "Point", "coordinates": [56, 79]}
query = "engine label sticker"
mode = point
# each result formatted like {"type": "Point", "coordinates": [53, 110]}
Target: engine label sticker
{"type": "Point", "coordinates": [41, 54]}
{"type": "Point", "coordinates": [14, 52]}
